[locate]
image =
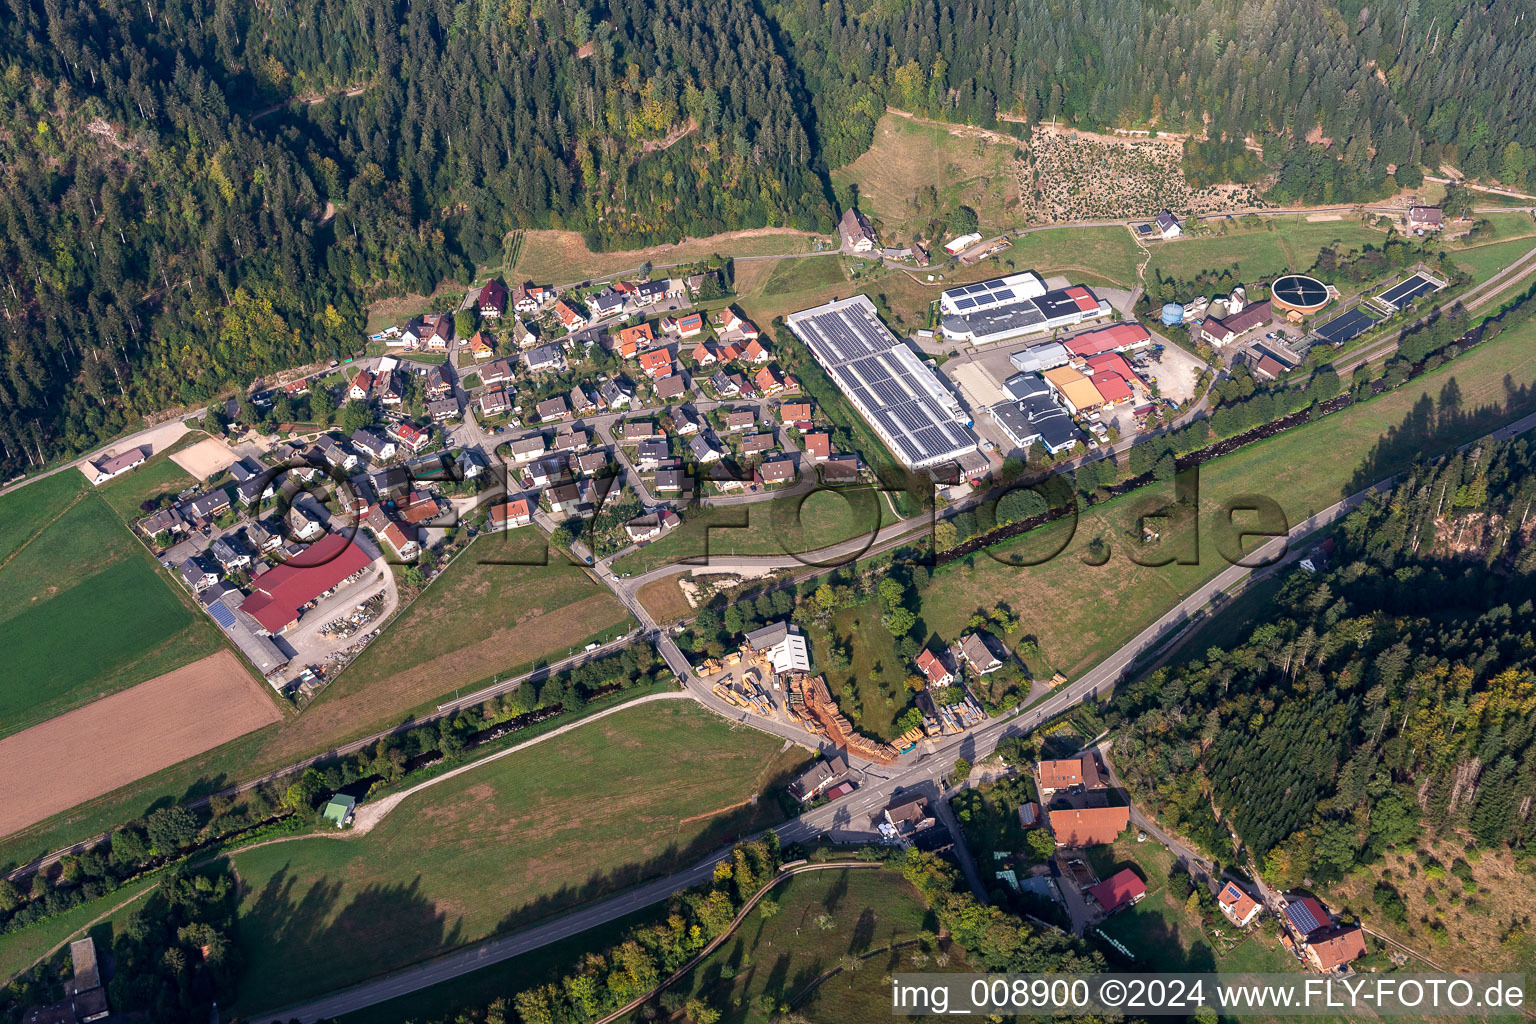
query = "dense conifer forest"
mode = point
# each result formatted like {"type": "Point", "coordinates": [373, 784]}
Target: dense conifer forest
{"type": "Point", "coordinates": [1392, 690]}
{"type": "Point", "coordinates": [197, 191]}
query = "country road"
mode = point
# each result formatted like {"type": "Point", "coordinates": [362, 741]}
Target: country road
{"type": "Point", "coordinates": [880, 783]}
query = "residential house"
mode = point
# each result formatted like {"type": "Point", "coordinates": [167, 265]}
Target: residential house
{"type": "Point", "coordinates": [1073, 774]}
{"type": "Point", "coordinates": [671, 387]}
{"type": "Point", "coordinates": [703, 451]}
{"type": "Point", "coordinates": [840, 468]}
{"type": "Point", "coordinates": [631, 431]}
{"type": "Point", "coordinates": [549, 470]}
{"type": "Point", "coordinates": [740, 419]}
{"type": "Point", "coordinates": [419, 507]}
{"type": "Point", "coordinates": [168, 521]}
{"type": "Point", "coordinates": [373, 443]}
{"type": "Point", "coordinates": [390, 483]}
{"type": "Point", "coordinates": [1089, 826]}
{"type": "Point", "coordinates": [410, 437]}
{"type": "Point", "coordinates": [230, 553]}
{"type": "Point", "coordinates": [492, 300]}
{"type": "Point", "coordinates": [683, 423]}
{"type": "Point", "coordinates": [116, 465]}
{"type": "Point", "coordinates": [617, 393]}
{"type": "Point", "coordinates": [934, 669]}
{"type": "Point", "coordinates": [403, 540]}
{"type": "Point", "coordinates": [768, 381]}
{"type": "Point", "coordinates": [581, 404]}
{"type": "Point", "coordinates": [207, 506]}
{"type": "Point", "coordinates": [569, 439]}
{"type": "Point", "coordinates": [777, 471]}
{"type": "Point", "coordinates": [501, 371]}
{"type": "Point", "coordinates": [592, 463]}
{"type": "Point", "coordinates": [656, 363]}
{"type": "Point", "coordinates": [725, 386]}
{"type": "Point", "coordinates": [435, 384]}
{"type": "Point", "coordinates": [690, 326]}
{"type": "Point", "coordinates": [265, 536]}
{"type": "Point", "coordinates": [605, 303]}
{"type": "Point", "coordinates": [361, 386]}
{"type": "Point", "coordinates": [668, 481]}
{"type": "Point", "coordinates": [522, 336]}
{"type": "Point", "coordinates": [978, 654]}
{"type": "Point", "coordinates": [528, 297]}
{"type": "Point", "coordinates": [905, 818]}
{"type": "Point", "coordinates": [632, 340]}
{"type": "Point", "coordinates": [1220, 331]}
{"type": "Point", "coordinates": [756, 352]}
{"type": "Point", "coordinates": [757, 444]}
{"type": "Point", "coordinates": [568, 317]}
{"type": "Point", "coordinates": [818, 446]}
{"type": "Point", "coordinates": [646, 528]}
{"type": "Point", "coordinates": [417, 332]}
{"type": "Point", "coordinates": [302, 524]}
{"type": "Point", "coordinates": [703, 354]}
{"type": "Point", "coordinates": [1122, 889]}
{"type": "Point", "coordinates": [509, 515]}
{"type": "Point", "coordinates": [729, 352]}
{"type": "Point", "coordinates": [819, 778]}
{"type": "Point", "coordinates": [1306, 915]}
{"type": "Point", "coordinates": [527, 448]}
{"type": "Point", "coordinates": [650, 455]}
{"type": "Point", "coordinates": [856, 232]}
{"type": "Point", "coordinates": [197, 574]}
{"type": "Point", "coordinates": [1333, 948]}
{"type": "Point", "coordinates": [650, 292]}
{"type": "Point", "coordinates": [1168, 225]}
{"type": "Point", "coordinates": [481, 345]}
{"type": "Point", "coordinates": [389, 387]}
{"type": "Point", "coordinates": [1424, 218]}
{"type": "Point", "coordinates": [1239, 907]}
{"type": "Point", "coordinates": [565, 499]}
{"type": "Point", "coordinates": [795, 414]}
{"type": "Point", "coordinates": [494, 402]}
{"type": "Point", "coordinates": [545, 357]}
{"type": "Point", "coordinates": [253, 481]}
{"type": "Point", "coordinates": [442, 334]}
{"type": "Point", "coordinates": [741, 385]}
{"type": "Point", "coordinates": [443, 409]}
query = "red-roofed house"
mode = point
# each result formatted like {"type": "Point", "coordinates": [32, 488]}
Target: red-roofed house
{"type": "Point", "coordinates": [691, 325]}
{"type": "Point", "coordinates": [1116, 338]}
{"type": "Point", "coordinates": [756, 352]}
{"type": "Point", "coordinates": [279, 596]}
{"type": "Point", "coordinates": [572, 320]}
{"type": "Point", "coordinates": [362, 386]}
{"type": "Point", "coordinates": [818, 446]}
{"type": "Point", "coordinates": [656, 363]}
{"type": "Point", "coordinates": [793, 413]}
{"type": "Point", "coordinates": [493, 299]}
{"type": "Point", "coordinates": [410, 436]}
{"type": "Point", "coordinates": [703, 354]}
{"type": "Point", "coordinates": [1081, 772]}
{"type": "Point", "coordinates": [933, 668]}
{"type": "Point", "coordinates": [1120, 890]}
{"type": "Point", "coordinates": [632, 339]}
{"type": "Point", "coordinates": [1239, 907]}
{"type": "Point", "coordinates": [768, 381]}
{"type": "Point", "coordinates": [1090, 826]}
{"type": "Point", "coordinates": [730, 352]}
{"type": "Point", "coordinates": [1334, 948]}
{"type": "Point", "coordinates": [509, 515]}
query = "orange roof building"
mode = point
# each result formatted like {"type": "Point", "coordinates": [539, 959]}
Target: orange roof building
{"type": "Point", "coordinates": [1332, 948]}
{"type": "Point", "coordinates": [1089, 826]}
{"type": "Point", "coordinates": [1069, 774]}
{"type": "Point", "coordinates": [1239, 907]}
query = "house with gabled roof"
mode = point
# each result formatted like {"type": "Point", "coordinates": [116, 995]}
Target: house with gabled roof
{"type": "Point", "coordinates": [361, 386]}
{"type": "Point", "coordinates": [480, 345]}
{"type": "Point", "coordinates": [443, 409]}
{"type": "Point", "coordinates": [1333, 948]}
{"type": "Point", "coordinates": [757, 444]}
{"type": "Point", "coordinates": [768, 381]}
{"type": "Point", "coordinates": [740, 419]}
{"type": "Point", "coordinates": [756, 352]}
{"type": "Point", "coordinates": [776, 471]}
{"type": "Point", "coordinates": [671, 387]}
{"type": "Point", "coordinates": [703, 354]}
{"type": "Point", "coordinates": [934, 669]}
{"type": "Point", "coordinates": [552, 409]}
{"type": "Point", "coordinates": [691, 325]}
{"type": "Point", "coordinates": [978, 654]}
{"type": "Point", "coordinates": [617, 393]}
{"type": "Point", "coordinates": [724, 385]}
{"type": "Point", "coordinates": [1089, 826]}
{"type": "Point", "coordinates": [501, 371]}
{"type": "Point", "coordinates": [373, 443]}
{"type": "Point", "coordinates": [411, 437]}
{"type": "Point", "coordinates": [1073, 774]}
{"type": "Point", "coordinates": [545, 357]}
{"type": "Point", "coordinates": [494, 402]}
{"type": "Point", "coordinates": [656, 363]}
{"type": "Point", "coordinates": [435, 384]}
{"type": "Point", "coordinates": [528, 297]}
{"type": "Point", "coordinates": [703, 451]}
{"type": "Point", "coordinates": [493, 299]}
{"type": "Point", "coordinates": [1122, 889]}
{"type": "Point", "coordinates": [509, 515]}
{"type": "Point", "coordinates": [1239, 907]}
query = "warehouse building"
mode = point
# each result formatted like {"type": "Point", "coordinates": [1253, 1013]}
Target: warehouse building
{"type": "Point", "coordinates": [1010, 307]}
{"type": "Point", "coordinates": [1077, 392]}
{"type": "Point", "coordinates": [902, 398]}
{"type": "Point", "coordinates": [1037, 419]}
{"type": "Point", "coordinates": [1039, 358]}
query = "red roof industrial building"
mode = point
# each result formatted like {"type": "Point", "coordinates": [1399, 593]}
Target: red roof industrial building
{"type": "Point", "coordinates": [1117, 338]}
{"type": "Point", "coordinates": [278, 596]}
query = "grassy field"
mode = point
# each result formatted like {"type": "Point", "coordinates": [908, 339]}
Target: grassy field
{"type": "Point", "coordinates": [159, 476]}
{"type": "Point", "coordinates": [23, 513]}
{"type": "Point", "coordinates": [874, 663]}
{"type": "Point", "coordinates": [664, 599]}
{"type": "Point", "coordinates": [1483, 261]}
{"type": "Point", "coordinates": [1163, 936]}
{"type": "Point", "coordinates": [79, 565]}
{"type": "Point", "coordinates": [1080, 613]}
{"type": "Point", "coordinates": [562, 257]}
{"type": "Point", "coordinates": [793, 524]}
{"type": "Point", "coordinates": [1092, 255]}
{"type": "Point", "coordinates": [821, 918]}
{"type": "Point", "coordinates": [1279, 245]}
{"type": "Point", "coordinates": [638, 794]}
{"type": "Point", "coordinates": [907, 157]}
{"type": "Point", "coordinates": [798, 275]}
{"type": "Point", "coordinates": [1515, 224]}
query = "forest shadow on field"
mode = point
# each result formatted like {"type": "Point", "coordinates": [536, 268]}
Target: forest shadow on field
{"type": "Point", "coordinates": [1423, 430]}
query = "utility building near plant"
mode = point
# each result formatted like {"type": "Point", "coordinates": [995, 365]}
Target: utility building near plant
{"type": "Point", "coordinates": [1011, 306]}
{"type": "Point", "coordinates": [903, 399]}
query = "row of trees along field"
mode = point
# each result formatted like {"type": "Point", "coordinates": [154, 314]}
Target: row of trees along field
{"type": "Point", "coordinates": [1395, 687]}
{"type": "Point", "coordinates": [202, 190]}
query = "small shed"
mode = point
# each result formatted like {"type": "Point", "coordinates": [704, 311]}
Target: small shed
{"type": "Point", "coordinates": [339, 809]}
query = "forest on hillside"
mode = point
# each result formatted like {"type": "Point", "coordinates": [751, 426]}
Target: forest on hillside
{"type": "Point", "coordinates": [198, 191]}
{"type": "Point", "coordinates": [1391, 691]}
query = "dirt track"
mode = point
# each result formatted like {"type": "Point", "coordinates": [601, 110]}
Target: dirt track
{"type": "Point", "coordinates": [92, 750]}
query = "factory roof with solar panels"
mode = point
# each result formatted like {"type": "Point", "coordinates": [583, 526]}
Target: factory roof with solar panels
{"type": "Point", "coordinates": [1008, 307]}
{"type": "Point", "coordinates": [905, 402]}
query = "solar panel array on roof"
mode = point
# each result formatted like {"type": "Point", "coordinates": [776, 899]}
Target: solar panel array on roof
{"type": "Point", "coordinates": [901, 397]}
{"type": "Point", "coordinates": [1399, 295]}
{"type": "Point", "coordinates": [1302, 917]}
{"type": "Point", "coordinates": [222, 615]}
{"type": "Point", "coordinates": [1346, 326]}
{"type": "Point", "coordinates": [997, 291]}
